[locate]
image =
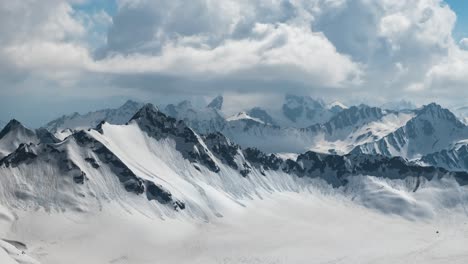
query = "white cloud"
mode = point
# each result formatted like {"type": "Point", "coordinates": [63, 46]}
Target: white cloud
{"type": "Point", "coordinates": [272, 52]}
{"type": "Point", "coordinates": [375, 49]}
{"type": "Point", "coordinates": [464, 43]}
{"type": "Point", "coordinates": [393, 27]}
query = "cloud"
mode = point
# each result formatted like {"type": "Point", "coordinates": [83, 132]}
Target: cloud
{"type": "Point", "coordinates": [272, 52]}
{"type": "Point", "coordinates": [340, 49]}
{"type": "Point", "coordinates": [464, 43]}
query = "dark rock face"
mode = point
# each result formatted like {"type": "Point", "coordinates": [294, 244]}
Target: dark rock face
{"type": "Point", "coordinates": [334, 168]}
{"type": "Point", "coordinates": [227, 152]}
{"type": "Point", "coordinates": [46, 137]}
{"type": "Point", "coordinates": [163, 196]}
{"type": "Point", "coordinates": [93, 162]}
{"type": "Point", "coordinates": [28, 153]}
{"type": "Point", "coordinates": [222, 148]}
{"type": "Point", "coordinates": [11, 126]}
{"type": "Point", "coordinates": [159, 126]}
{"type": "Point", "coordinates": [350, 117]}
{"type": "Point", "coordinates": [267, 162]}
{"type": "Point", "coordinates": [353, 115]}
{"type": "Point", "coordinates": [80, 179]}
{"type": "Point", "coordinates": [157, 192]}
{"type": "Point", "coordinates": [23, 154]}
{"type": "Point", "coordinates": [128, 179]}
{"type": "Point", "coordinates": [455, 159]}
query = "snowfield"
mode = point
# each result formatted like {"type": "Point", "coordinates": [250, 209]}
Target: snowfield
{"type": "Point", "coordinates": [320, 225]}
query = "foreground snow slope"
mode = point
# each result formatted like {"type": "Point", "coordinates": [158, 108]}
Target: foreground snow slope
{"type": "Point", "coordinates": [313, 226]}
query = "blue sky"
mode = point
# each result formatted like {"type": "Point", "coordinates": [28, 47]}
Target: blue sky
{"type": "Point", "coordinates": [461, 8]}
{"type": "Point", "coordinates": [110, 6]}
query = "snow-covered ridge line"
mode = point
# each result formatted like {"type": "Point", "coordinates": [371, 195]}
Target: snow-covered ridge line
{"type": "Point", "coordinates": [113, 158]}
{"type": "Point", "coordinates": [432, 129]}
{"type": "Point", "coordinates": [14, 133]}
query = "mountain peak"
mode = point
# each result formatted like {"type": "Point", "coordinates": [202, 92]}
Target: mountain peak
{"type": "Point", "coordinates": [12, 125]}
{"type": "Point", "coordinates": [216, 103]}
{"type": "Point", "coordinates": [432, 106]}
{"type": "Point", "coordinates": [437, 111]}
{"type": "Point", "coordinates": [148, 110]}
{"type": "Point", "coordinates": [337, 106]}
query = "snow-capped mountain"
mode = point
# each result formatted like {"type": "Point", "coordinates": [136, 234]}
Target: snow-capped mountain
{"type": "Point", "coordinates": [347, 129]}
{"type": "Point", "coordinates": [337, 107]}
{"type": "Point", "coordinates": [303, 111]}
{"type": "Point", "coordinates": [77, 121]}
{"type": "Point", "coordinates": [155, 157]}
{"type": "Point", "coordinates": [245, 117]}
{"type": "Point", "coordinates": [156, 172]}
{"type": "Point", "coordinates": [203, 120]}
{"type": "Point", "coordinates": [432, 129]}
{"type": "Point", "coordinates": [454, 158]}
{"type": "Point", "coordinates": [344, 127]}
{"type": "Point", "coordinates": [14, 134]}
{"type": "Point", "coordinates": [355, 126]}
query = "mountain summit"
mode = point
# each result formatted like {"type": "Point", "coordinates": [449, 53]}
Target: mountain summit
{"type": "Point", "coordinates": [14, 134]}
{"type": "Point", "coordinates": [216, 103]}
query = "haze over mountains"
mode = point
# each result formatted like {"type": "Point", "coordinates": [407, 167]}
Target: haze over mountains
{"type": "Point", "coordinates": [196, 165]}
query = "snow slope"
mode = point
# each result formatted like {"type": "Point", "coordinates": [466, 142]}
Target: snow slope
{"type": "Point", "coordinates": [453, 158]}
{"type": "Point", "coordinates": [432, 129]}
{"type": "Point", "coordinates": [243, 116]}
{"type": "Point", "coordinates": [310, 226]}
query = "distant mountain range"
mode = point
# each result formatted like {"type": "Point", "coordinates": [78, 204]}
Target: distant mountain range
{"type": "Point", "coordinates": [303, 124]}
{"type": "Point", "coordinates": [77, 121]}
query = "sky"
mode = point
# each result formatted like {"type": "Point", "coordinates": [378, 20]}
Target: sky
{"type": "Point", "coordinates": [62, 56]}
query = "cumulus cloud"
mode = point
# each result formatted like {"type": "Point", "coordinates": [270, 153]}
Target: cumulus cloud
{"type": "Point", "coordinates": [271, 52]}
{"type": "Point", "coordinates": [333, 48]}
{"type": "Point", "coordinates": [464, 43]}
